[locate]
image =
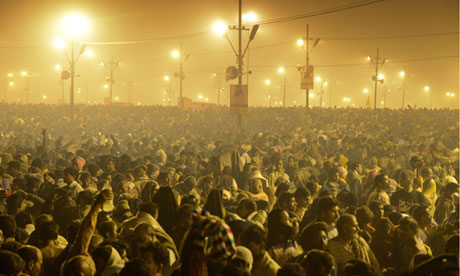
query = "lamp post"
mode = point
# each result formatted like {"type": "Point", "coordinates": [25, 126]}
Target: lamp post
{"type": "Point", "coordinates": [427, 89]}
{"type": "Point", "coordinates": [180, 75]}
{"type": "Point", "coordinates": [166, 78]}
{"type": "Point", "coordinates": [269, 96]}
{"type": "Point", "coordinates": [74, 25]}
{"type": "Point", "coordinates": [8, 83]}
{"type": "Point", "coordinates": [404, 76]}
{"type": "Point", "coordinates": [377, 64]}
{"type": "Point", "coordinates": [307, 51]}
{"type": "Point", "coordinates": [27, 89]}
{"type": "Point", "coordinates": [281, 70]}
{"type": "Point", "coordinates": [111, 66]}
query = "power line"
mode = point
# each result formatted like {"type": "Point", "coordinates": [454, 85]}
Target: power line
{"type": "Point", "coordinates": [388, 37]}
{"type": "Point", "coordinates": [322, 12]}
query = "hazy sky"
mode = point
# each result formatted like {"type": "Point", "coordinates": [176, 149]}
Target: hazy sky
{"type": "Point", "coordinates": [28, 28]}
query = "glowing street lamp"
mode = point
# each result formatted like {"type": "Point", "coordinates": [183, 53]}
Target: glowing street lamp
{"type": "Point", "coordinates": [58, 67]}
{"type": "Point", "coordinates": [427, 88]}
{"type": "Point", "coordinates": [365, 91]}
{"type": "Point", "coordinates": [249, 17]}
{"type": "Point", "coordinates": [380, 77]}
{"type": "Point", "coordinates": [166, 78]}
{"type": "Point", "coordinates": [267, 82]}
{"type": "Point", "coordinates": [75, 25]}
{"type": "Point", "coordinates": [280, 70]}
{"type": "Point", "coordinates": [220, 28]}
{"type": "Point", "coordinates": [175, 54]}
{"type": "Point", "coordinates": [10, 75]}
{"type": "Point", "coordinates": [24, 73]}
{"type": "Point", "coordinates": [200, 97]}
{"type": "Point", "coordinates": [59, 43]}
{"type": "Point", "coordinates": [402, 73]}
{"type": "Point", "coordinates": [11, 83]}
{"type": "Point", "coordinates": [318, 78]}
{"type": "Point", "coordinates": [106, 86]}
{"type": "Point", "coordinates": [300, 42]}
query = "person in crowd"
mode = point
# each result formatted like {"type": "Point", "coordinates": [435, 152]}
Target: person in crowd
{"type": "Point", "coordinates": [348, 245]}
{"type": "Point", "coordinates": [408, 196]}
{"type": "Point", "coordinates": [380, 194]}
{"type": "Point", "coordinates": [33, 260]}
{"type": "Point", "coordinates": [255, 239]}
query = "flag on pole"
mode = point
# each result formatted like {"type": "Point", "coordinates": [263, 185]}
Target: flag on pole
{"type": "Point", "coordinates": [368, 102]}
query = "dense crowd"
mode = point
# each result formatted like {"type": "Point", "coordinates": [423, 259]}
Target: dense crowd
{"type": "Point", "coordinates": [153, 190]}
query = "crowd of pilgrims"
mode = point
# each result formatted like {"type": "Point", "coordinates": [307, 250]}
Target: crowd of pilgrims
{"type": "Point", "coordinates": [159, 191]}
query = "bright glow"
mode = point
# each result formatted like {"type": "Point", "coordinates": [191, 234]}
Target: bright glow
{"type": "Point", "coordinates": [220, 27]}
{"type": "Point", "coordinates": [116, 98]}
{"type": "Point", "coordinates": [318, 78]}
{"type": "Point", "coordinates": [10, 75]}
{"type": "Point", "coordinates": [58, 67]}
{"type": "Point", "coordinates": [75, 25]}
{"type": "Point", "coordinates": [276, 102]}
{"type": "Point", "coordinates": [267, 82]}
{"type": "Point", "coordinates": [106, 86]}
{"type": "Point", "coordinates": [380, 77]}
{"type": "Point", "coordinates": [11, 83]}
{"type": "Point", "coordinates": [448, 93]}
{"type": "Point", "coordinates": [452, 94]}
{"type": "Point", "coordinates": [101, 64]}
{"type": "Point", "coordinates": [346, 99]}
{"type": "Point", "coordinates": [44, 97]}
{"type": "Point", "coordinates": [200, 97]}
{"type": "Point", "coordinates": [138, 103]}
{"type": "Point", "coordinates": [368, 57]}
{"type": "Point", "coordinates": [89, 53]}
{"type": "Point", "coordinates": [24, 73]}
{"type": "Point", "coordinates": [269, 96]}
{"type": "Point", "coordinates": [281, 70]}
{"type": "Point", "coordinates": [402, 73]}
{"type": "Point", "coordinates": [281, 102]}
{"type": "Point", "coordinates": [294, 102]}
{"type": "Point", "coordinates": [175, 54]}
{"type": "Point", "coordinates": [300, 42]}
{"type": "Point", "coordinates": [382, 102]}
{"type": "Point", "coordinates": [366, 90]}
{"type": "Point", "coordinates": [325, 83]}
{"type": "Point", "coordinates": [427, 88]}
{"type": "Point", "coordinates": [249, 17]}
{"type": "Point", "coordinates": [311, 95]}
{"type": "Point", "coordinates": [59, 43]}
{"type": "Point", "coordinates": [207, 99]}
{"type": "Point", "coordinates": [166, 78]}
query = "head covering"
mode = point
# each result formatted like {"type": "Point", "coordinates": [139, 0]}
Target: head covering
{"type": "Point", "coordinates": [167, 208]}
{"type": "Point", "coordinates": [214, 203]}
{"type": "Point", "coordinates": [257, 175]}
{"type": "Point", "coordinates": [114, 264]}
{"type": "Point", "coordinates": [242, 253]}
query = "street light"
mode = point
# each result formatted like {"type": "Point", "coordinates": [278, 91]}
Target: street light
{"type": "Point", "coordinates": [300, 42]}
{"type": "Point", "coordinates": [267, 82]}
{"type": "Point", "coordinates": [179, 54]}
{"type": "Point", "coordinates": [27, 76]}
{"type": "Point", "coordinates": [175, 54]}
{"type": "Point", "coordinates": [220, 28]}
{"type": "Point", "coordinates": [282, 71]}
{"type": "Point", "coordinates": [403, 75]}
{"type": "Point", "coordinates": [74, 26]}
{"type": "Point", "coordinates": [250, 17]}
{"type": "Point", "coordinates": [7, 84]}
{"type": "Point", "coordinates": [166, 78]}
{"type": "Point", "coordinates": [59, 43]}
{"type": "Point", "coordinates": [427, 89]}
{"type": "Point", "coordinates": [365, 91]}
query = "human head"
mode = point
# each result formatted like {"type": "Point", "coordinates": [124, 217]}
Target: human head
{"type": "Point", "coordinates": [363, 215]}
{"type": "Point", "coordinates": [16, 203]}
{"type": "Point", "coordinates": [359, 267]}
{"type": "Point", "coordinates": [328, 210]}
{"type": "Point", "coordinates": [318, 263]}
{"type": "Point", "coordinates": [302, 197]}
{"type": "Point", "coordinates": [406, 179]}
{"type": "Point", "coordinates": [333, 174]}
{"type": "Point", "coordinates": [245, 207]}
{"type": "Point", "coordinates": [155, 255]}
{"type": "Point", "coordinates": [70, 174]}
{"type": "Point", "coordinates": [108, 230]}
{"type": "Point", "coordinates": [255, 186]}
{"type": "Point", "coordinates": [356, 166]}
{"type": "Point", "coordinates": [8, 226]}
{"type": "Point", "coordinates": [347, 227]}
{"type": "Point", "coordinates": [149, 208]}
{"type": "Point", "coordinates": [48, 231]}
{"type": "Point", "coordinates": [291, 269]}
{"type": "Point", "coordinates": [33, 259]}
{"type": "Point", "coordinates": [243, 257]}
{"type": "Point", "coordinates": [382, 181]}
{"type": "Point", "coordinates": [143, 233]}
{"type": "Point", "coordinates": [422, 215]}
{"type": "Point", "coordinates": [287, 201]}
{"type": "Point", "coordinates": [377, 208]}
{"type": "Point", "coordinates": [254, 238]}
{"type": "Point", "coordinates": [11, 263]}
{"type": "Point", "coordinates": [408, 228]}
{"type": "Point", "coordinates": [314, 236]}
{"type": "Point", "coordinates": [137, 267]}
{"type": "Point", "coordinates": [79, 265]}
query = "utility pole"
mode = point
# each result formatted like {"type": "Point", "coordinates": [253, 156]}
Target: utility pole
{"type": "Point", "coordinates": [218, 90]}
{"type": "Point", "coordinates": [113, 66]}
{"type": "Point", "coordinates": [404, 87]}
{"type": "Point", "coordinates": [307, 59]}
{"type": "Point", "coordinates": [375, 78]}
{"type": "Point", "coordinates": [181, 78]}
{"type": "Point", "coordinates": [284, 92]}
{"type": "Point", "coordinates": [72, 82]}
{"type": "Point", "coordinates": [240, 58]}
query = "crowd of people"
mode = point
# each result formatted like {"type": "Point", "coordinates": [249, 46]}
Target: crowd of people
{"type": "Point", "coordinates": [154, 190]}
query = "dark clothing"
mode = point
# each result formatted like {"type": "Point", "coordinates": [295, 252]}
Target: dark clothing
{"type": "Point", "coordinates": [403, 200]}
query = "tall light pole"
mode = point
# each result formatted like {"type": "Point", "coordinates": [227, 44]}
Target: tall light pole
{"type": "Point", "coordinates": [111, 66]}
{"type": "Point", "coordinates": [7, 84]}
{"type": "Point", "coordinates": [74, 25]}
{"type": "Point", "coordinates": [427, 89]}
{"type": "Point", "coordinates": [377, 64]}
{"type": "Point", "coordinates": [281, 70]}
{"type": "Point", "coordinates": [404, 76]}
{"type": "Point", "coordinates": [307, 50]}
{"type": "Point", "coordinates": [166, 78]}
{"type": "Point", "coordinates": [269, 96]}
{"type": "Point", "coordinates": [27, 89]}
{"type": "Point", "coordinates": [180, 75]}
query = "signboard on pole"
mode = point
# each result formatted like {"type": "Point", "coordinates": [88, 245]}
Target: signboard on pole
{"type": "Point", "coordinates": [306, 79]}
{"type": "Point", "coordinates": [239, 99]}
